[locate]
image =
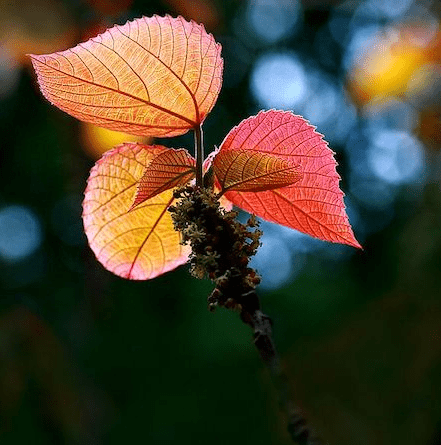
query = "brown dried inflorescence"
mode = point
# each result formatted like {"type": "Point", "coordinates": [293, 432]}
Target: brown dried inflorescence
{"type": "Point", "coordinates": [221, 247]}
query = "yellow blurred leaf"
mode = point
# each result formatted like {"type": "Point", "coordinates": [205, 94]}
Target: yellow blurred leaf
{"type": "Point", "coordinates": [97, 140]}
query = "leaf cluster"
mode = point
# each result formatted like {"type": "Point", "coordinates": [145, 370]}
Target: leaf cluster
{"type": "Point", "coordinates": [161, 76]}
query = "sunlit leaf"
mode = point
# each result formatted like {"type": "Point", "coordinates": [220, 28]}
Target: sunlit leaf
{"type": "Point", "coordinates": [313, 205]}
{"type": "Point", "coordinates": [253, 171]}
{"type": "Point", "coordinates": [140, 244]}
{"type": "Point", "coordinates": [169, 169]}
{"type": "Point", "coordinates": [157, 76]}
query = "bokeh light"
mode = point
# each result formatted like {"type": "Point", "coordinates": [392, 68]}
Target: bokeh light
{"type": "Point", "coordinates": [389, 9]}
{"type": "Point", "coordinates": [366, 187]}
{"type": "Point", "coordinates": [362, 40]}
{"type": "Point", "coordinates": [373, 195]}
{"type": "Point", "coordinates": [20, 232]}
{"type": "Point", "coordinates": [384, 61]}
{"type": "Point", "coordinates": [341, 122]}
{"type": "Point", "coordinates": [390, 113]}
{"type": "Point", "coordinates": [424, 87]}
{"type": "Point", "coordinates": [323, 98]}
{"type": "Point", "coordinates": [273, 20]}
{"type": "Point", "coordinates": [279, 80]}
{"type": "Point", "coordinates": [273, 261]}
{"type": "Point", "coordinates": [328, 107]}
{"type": "Point", "coordinates": [396, 157]}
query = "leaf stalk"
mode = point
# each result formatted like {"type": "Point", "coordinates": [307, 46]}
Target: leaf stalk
{"type": "Point", "coordinates": [199, 154]}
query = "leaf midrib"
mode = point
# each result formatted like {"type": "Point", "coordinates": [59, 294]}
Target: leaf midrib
{"type": "Point", "coordinates": [123, 93]}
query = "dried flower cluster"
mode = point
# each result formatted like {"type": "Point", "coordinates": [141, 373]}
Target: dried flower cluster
{"type": "Point", "coordinates": [221, 246]}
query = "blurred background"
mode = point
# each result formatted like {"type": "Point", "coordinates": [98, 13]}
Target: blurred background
{"type": "Point", "coordinates": [88, 358]}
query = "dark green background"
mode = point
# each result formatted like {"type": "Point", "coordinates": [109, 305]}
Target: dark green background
{"type": "Point", "coordinates": [88, 358]}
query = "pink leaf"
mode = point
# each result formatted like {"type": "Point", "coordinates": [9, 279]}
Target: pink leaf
{"type": "Point", "coordinates": [167, 170]}
{"type": "Point", "coordinates": [313, 205]}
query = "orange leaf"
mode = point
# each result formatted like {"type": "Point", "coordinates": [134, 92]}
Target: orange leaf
{"type": "Point", "coordinates": [169, 169]}
{"type": "Point", "coordinates": [154, 76]}
{"type": "Point", "coordinates": [253, 171]}
{"type": "Point", "coordinates": [313, 205]}
{"type": "Point", "coordinates": [140, 244]}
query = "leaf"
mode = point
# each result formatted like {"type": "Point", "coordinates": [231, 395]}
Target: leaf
{"type": "Point", "coordinates": [313, 205]}
{"type": "Point", "coordinates": [253, 171]}
{"type": "Point", "coordinates": [168, 169]}
{"type": "Point", "coordinates": [153, 76]}
{"type": "Point", "coordinates": [140, 244]}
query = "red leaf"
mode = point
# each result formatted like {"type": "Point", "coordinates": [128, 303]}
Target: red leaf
{"type": "Point", "coordinates": [169, 169]}
{"type": "Point", "coordinates": [253, 171]}
{"type": "Point", "coordinates": [156, 76]}
{"type": "Point", "coordinates": [140, 244]}
{"type": "Point", "coordinates": [314, 205]}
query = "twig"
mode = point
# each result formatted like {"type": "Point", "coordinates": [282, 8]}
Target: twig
{"type": "Point", "coordinates": [261, 324]}
{"type": "Point", "coordinates": [199, 153]}
{"type": "Point", "coordinates": [221, 249]}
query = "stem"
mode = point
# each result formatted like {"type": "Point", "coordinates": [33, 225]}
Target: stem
{"type": "Point", "coordinates": [199, 153]}
{"type": "Point", "coordinates": [221, 249]}
{"type": "Point", "coordinates": [298, 429]}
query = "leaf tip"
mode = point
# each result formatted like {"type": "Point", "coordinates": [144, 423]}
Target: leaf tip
{"type": "Point", "coordinates": [357, 245]}
{"type": "Point", "coordinates": [35, 58]}
{"type": "Point", "coordinates": [135, 204]}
